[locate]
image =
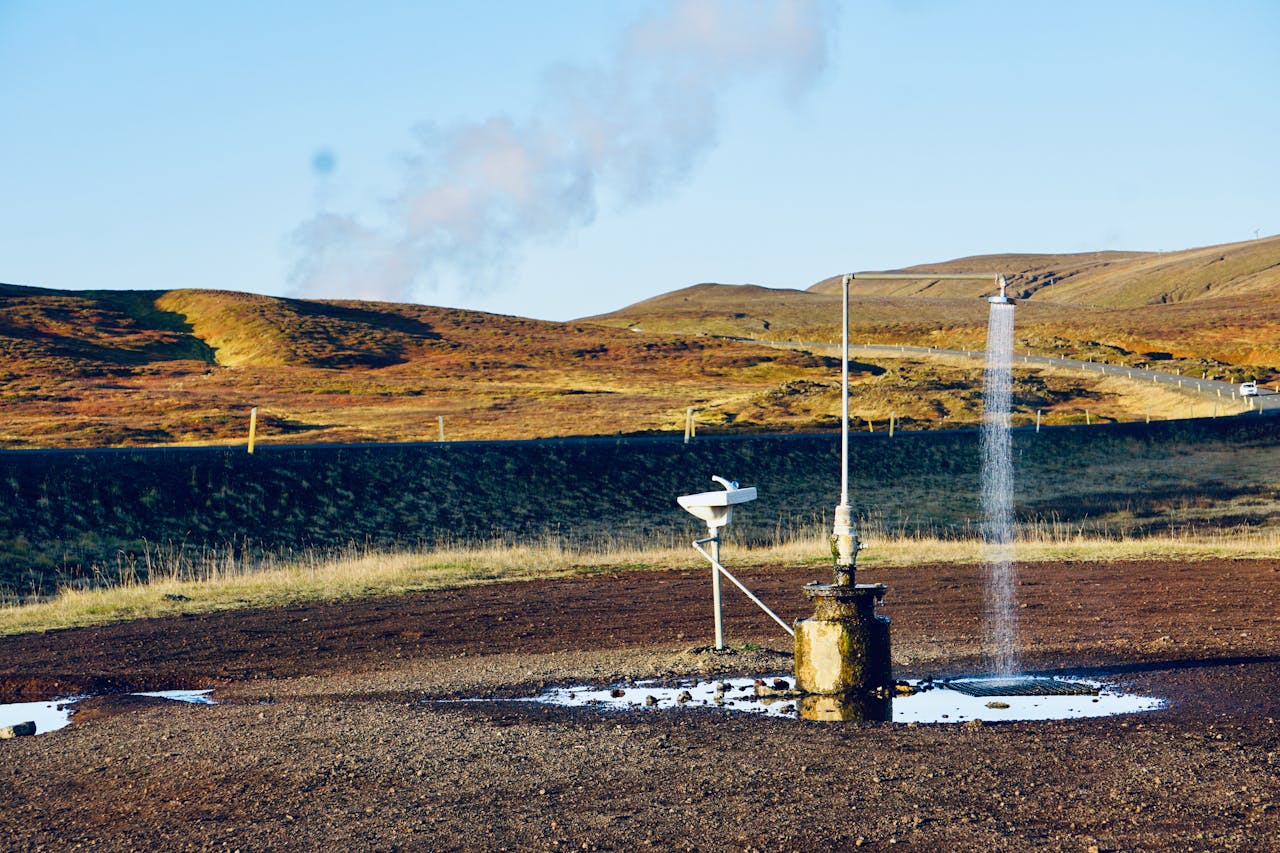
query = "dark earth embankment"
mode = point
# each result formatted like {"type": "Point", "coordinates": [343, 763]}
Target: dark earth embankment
{"type": "Point", "coordinates": [85, 516]}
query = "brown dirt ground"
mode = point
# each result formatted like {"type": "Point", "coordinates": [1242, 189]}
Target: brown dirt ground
{"type": "Point", "coordinates": [323, 739]}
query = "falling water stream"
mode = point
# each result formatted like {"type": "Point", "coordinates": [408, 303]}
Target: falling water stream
{"type": "Point", "coordinates": [1000, 612]}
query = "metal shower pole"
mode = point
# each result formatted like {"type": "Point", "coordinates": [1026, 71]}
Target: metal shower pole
{"type": "Point", "coordinates": [842, 529]}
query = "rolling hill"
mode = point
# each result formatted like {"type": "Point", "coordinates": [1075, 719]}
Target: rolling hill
{"type": "Point", "coordinates": [109, 368]}
{"type": "Point", "coordinates": [118, 368]}
{"type": "Point", "coordinates": [1249, 270]}
{"type": "Point", "coordinates": [1217, 306]}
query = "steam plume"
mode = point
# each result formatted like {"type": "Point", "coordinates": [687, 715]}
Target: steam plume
{"type": "Point", "coordinates": [474, 195]}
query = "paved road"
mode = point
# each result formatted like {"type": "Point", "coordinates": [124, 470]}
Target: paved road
{"type": "Point", "coordinates": [1224, 395]}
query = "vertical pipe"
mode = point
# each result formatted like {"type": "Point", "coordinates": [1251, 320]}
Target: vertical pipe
{"type": "Point", "coordinates": [688, 420]}
{"type": "Point", "coordinates": [844, 397]}
{"type": "Point", "coordinates": [1037, 420]}
{"type": "Point", "coordinates": [715, 589]}
{"type": "Point", "coordinates": [440, 422]}
{"type": "Point", "coordinates": [253, 426]}
{"type": "Point", "coordinates": [842, 523]}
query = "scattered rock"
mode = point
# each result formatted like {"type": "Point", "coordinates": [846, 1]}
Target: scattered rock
{"type": "Point", "coordinates": [779, 688]}
{"type": "Point", "coordinates": [651, 700]}
{"type": "Point", "coordinates": [18, 730]}
{"type": "Point", "coordinates": [617, 693]}
{"type": "Point", "coordinates": [996, 704]}
{"type": "Point", "coordinates": [173, 596]}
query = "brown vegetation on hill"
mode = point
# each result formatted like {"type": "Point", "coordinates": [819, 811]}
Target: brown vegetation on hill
{"type": "Point", "coordinates": [190, 364]}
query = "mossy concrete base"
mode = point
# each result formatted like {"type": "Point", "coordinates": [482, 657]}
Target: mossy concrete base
{"type": "Point", "coordinates": [844, 648]}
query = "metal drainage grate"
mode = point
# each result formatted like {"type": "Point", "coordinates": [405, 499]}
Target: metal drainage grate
{"type": "Point", "coordinates": [1019, 687]}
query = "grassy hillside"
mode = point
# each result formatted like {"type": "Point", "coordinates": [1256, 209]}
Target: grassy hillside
{"type": "Point", "coordinates": [112, 368]}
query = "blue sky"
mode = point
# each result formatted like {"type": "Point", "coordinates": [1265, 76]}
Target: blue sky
{"type": "Point", "coordinates": [564, 158]}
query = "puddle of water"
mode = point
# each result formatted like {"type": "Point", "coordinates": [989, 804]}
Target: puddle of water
{"type": "Point", "coordinates": [195, 697]}
{"type": "Point", "coordinates": [941, 705]}
{"type": "Point", "coordinates": [48, 716]}
{"type": "Point", "coordinates": [56, 714]}
{"type": "Point", "coordinates": [934, 703]}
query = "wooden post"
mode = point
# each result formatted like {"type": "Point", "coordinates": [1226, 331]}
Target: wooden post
{"type": "Point", "coordinates": [440, 422]}
{"type": "Point", "coordinates": [1038, 420]}
{"type": "Point", "coordinates": [1088, 419]}
{"type": "Point", "coordinates": [892, 417]}
{"type": "Point", "coordinates": [253, 426]}
{"type": "Point", "coordinates": [688, 424]}
{"type": "Point", "coordinates": [1148, 414]}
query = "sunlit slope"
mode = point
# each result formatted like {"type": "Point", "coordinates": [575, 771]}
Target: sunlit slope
{"type": "Point", "coordinates": [247, 329]}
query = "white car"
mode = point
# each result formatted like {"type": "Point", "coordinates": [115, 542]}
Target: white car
{"type": "Point", "coordinates": [1248, 389]}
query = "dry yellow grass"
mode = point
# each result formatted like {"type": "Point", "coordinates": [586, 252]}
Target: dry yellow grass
{"type": "Point", "coordinates": [234, 584]}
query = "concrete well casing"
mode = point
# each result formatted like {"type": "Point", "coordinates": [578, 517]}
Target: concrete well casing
{"type": "Point", "coordinates": [844, 647]}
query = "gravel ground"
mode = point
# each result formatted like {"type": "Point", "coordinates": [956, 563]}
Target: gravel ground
{"type": "Point", "coordinates": [330, 733]}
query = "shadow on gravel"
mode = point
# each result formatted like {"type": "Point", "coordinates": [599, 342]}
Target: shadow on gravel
{"type": "Point", "coordinates": [1160, 665]}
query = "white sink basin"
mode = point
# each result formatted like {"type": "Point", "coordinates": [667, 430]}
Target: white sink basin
{"type": "Point", "coordinates": [716, 508]}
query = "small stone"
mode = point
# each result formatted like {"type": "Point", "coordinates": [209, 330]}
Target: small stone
{"type": "Point", "coordinates": [685, 696]}
{"type": "Point", "coordinates": [781, 684]}
{"type": "Point", "coordinates": [617, 693]}
{"type": "Point", "coordinates": [651, 700]}
{"type": "Point", "coordinates": [18, 730]}
{"type": "Point", "coordinates": [995, 704]}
